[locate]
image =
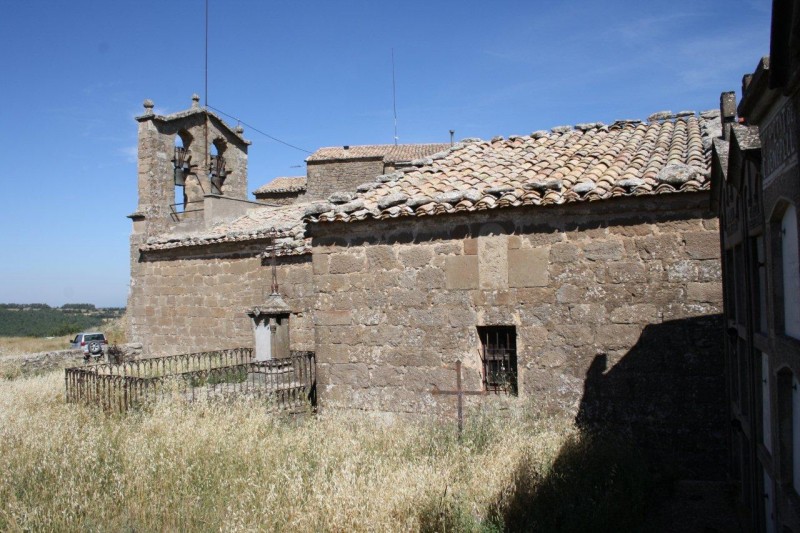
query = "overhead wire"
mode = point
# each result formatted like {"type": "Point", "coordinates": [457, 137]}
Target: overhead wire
{"type": "Point", "coordinates": [240, 121]}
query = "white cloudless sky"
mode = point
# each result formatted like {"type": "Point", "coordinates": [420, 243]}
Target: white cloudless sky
{"type": "Point", "coordinates": [313, 73]}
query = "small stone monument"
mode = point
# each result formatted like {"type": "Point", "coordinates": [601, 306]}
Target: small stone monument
{"type": "Point", "coordinates": [271, 319]}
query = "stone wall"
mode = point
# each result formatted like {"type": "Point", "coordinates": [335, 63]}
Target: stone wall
{"type": "Point", "coordinates": [616, 300]}
{"type": "Point", "coordinates": [193, 301]}
{"type": "Point", "coordinates": [281, 198]}
{"type": "Point", "coordinates": [327, 177]}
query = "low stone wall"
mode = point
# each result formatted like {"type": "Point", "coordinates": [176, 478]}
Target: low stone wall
{"type": "Point", "coordinates": [37, 363]}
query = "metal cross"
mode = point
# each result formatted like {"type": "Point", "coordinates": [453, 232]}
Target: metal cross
{"type": "Point", "coordinates": [459, 393]}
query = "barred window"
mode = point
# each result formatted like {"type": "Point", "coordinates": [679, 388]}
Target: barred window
{"type": "Point", "coordinates": [499, 356]}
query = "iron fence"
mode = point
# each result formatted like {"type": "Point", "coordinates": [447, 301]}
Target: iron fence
{"type": "Point", "coordinates": [283, 384]}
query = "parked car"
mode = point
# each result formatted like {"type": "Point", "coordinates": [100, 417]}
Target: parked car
{"type": "Point", "coordinates": [92, 343]}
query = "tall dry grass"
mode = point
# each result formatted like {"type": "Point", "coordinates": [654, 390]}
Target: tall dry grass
{"type": "Point", "coordinates": [233, 467]}
{"type": "Point", "coordinates": [25, 345]}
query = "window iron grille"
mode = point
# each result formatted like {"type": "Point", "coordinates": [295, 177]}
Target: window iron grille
{"type": "Point", "coordinates": [499, 357]}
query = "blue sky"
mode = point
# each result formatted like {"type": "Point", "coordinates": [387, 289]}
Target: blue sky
{"type": "Point", "coordinates": [313, 73]}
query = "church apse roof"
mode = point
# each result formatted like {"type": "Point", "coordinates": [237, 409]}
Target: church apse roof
{"type": "Point", "coordinates": [254, 225]}
{"type": "Point", "coordinates": [283, 184]}
{"type": "Point", "coordinates": [389, 153]}
{"type": "Point", "coordinates": [669, 153]}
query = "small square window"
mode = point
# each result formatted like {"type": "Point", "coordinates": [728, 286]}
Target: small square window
{"type": "Point", "coordinates": [499, 357]}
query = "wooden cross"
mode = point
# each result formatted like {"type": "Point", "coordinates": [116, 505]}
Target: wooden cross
{"type": "Point", "coordinates": [459, 393]}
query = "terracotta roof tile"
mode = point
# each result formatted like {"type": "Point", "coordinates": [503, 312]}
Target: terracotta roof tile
{"type": "Point", "coordinates": [390, 153]}
{"type": "Point", "coordinates": [255, 225]}
{"type": "Point", "coordinates": [283, 184]}
{"type": "Point", "coordinates": [669, 153]}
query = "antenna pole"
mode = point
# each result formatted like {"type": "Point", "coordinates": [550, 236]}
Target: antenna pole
{"type": "Point", "coordinates": [205, 94]}
{"type": "Point", "coordinates": [394, 100]}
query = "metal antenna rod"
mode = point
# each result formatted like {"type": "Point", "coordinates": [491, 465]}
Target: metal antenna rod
{"type": "Point", "coordinates": [394, 100]}
{"type": "Point", "coordinates": [205, 94]}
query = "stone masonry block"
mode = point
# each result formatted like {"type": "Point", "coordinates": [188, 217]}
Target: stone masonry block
{"type": "Point", "coordinates": [337, 317]}
{"type": "Point", "coordinates": [353, 374]}
{"type": "Point", "coordinates": [345, 263]}
{"type": "Point", "coordinates": [704, 292]}
{"type": "Point", "coordinates": [604, 250]}
{"type": "Point", "coordinates": [564, 252]}
{"type": "Point", "coordinates": [462, 272]}
{"type": "Point", "coordinates": [702, 244]}
{"type": "Point", "coordinates": [528, 267]}
{"type": "Point", "coordinates": [319, 262]}
{"type": "Point", "coordinates": [569, 294]}
{"type": "Point", "coordinates": [382, 257]}
{"type": "Point", "coordinates": [612, 336]}
{"type": "Point", "coordinates": [493, 262]}
{"type": "Point", "coordinates": [416, 256]}
{"type": "Point", "coordinates": [658, 246]}
{"type": "Point", "coordinates": [471, 246]}
{"type": "Point", "coordinates": [635, 314]}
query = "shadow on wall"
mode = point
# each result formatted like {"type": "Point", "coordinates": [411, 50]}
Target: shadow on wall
{"type": "Point", "coordinates": [656, 416]}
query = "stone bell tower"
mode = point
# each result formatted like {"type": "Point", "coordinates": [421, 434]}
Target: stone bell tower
{"type": "Point", "coordinates": [184, 158]}
{"type": "Point", "coordinates": [192, 173]}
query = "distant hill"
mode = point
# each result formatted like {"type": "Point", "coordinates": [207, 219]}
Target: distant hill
{"type": "Point", "coordinates": [41, 320]}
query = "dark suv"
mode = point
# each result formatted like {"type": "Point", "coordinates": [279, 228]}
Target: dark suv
{"type": "Point", "coordinates": [92, 343]}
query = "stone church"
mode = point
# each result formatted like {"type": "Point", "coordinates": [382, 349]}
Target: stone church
{"type": "Point", "coordinates": [576, 268]}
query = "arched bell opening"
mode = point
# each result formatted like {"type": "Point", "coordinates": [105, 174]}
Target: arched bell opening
{"type": "Point", "coordinates": [182, 164]}
{"type": "Point", "coordinates": [216, 166]}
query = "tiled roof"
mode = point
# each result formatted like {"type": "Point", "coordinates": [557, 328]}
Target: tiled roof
{"type": "Point", "coordinates": [283, 184]}
{"type": "Point", "coordinates": [391, 153]}
{"type": "Point", "coordinates": [256, 224]}
{"type": "Point", "coordinates": [670, 153]}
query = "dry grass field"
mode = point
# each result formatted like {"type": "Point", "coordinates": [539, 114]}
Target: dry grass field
{"type": "Point", "coordinates": [233, 467]}
{"type": "Point", "coordinates": [24, 345]}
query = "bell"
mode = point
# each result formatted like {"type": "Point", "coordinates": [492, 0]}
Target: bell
{"type": "Point", "coordinates": [216, 184]}
{"type": "Point", "coordinates": [180, 177]}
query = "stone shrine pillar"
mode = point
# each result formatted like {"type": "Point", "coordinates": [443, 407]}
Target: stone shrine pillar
{"type": "Point", "coordinates": [271, 328]}
{"type": "Point", "coordinates": [271, 320]}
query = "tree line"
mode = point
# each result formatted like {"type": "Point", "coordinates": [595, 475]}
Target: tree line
{"type": "Point", "coordinates": [41, 320]}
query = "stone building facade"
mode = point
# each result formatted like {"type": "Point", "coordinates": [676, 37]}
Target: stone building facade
{"type": "Point", "coordinates": [757, 192]}
{"type": "Point", "coordinates": [282, 191]}
{"type": "Point", "coordinates": [343, 169]}
{"type": "Point", "coordinates": [612, 306]}
{"type": "Point", "coordinates": [577, 269]}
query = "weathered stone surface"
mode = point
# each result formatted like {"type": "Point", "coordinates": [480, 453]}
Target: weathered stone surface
{"type": "Point", "coordinates": [528, 267]}
{"type": "Point", "coordinates": [334, 317]}
{"type": "Point", "coordinates": [618, 335]}
{"type": "Point", "coordinates": [564, 253]}
{"type": "Point", "coordinates": [588, 313]}
{"type": "Point", "coordinates": [603, 251]}
{"type": "Point", "coordinates": [471, 246]}
{"type": "Point", "coordinates": [659, 246]}
{"type": "Point", "coordinates": [319, 263]}
{"type": "Point", "coordinates": [704, 292]}
{"type": "Point", "coordinates": [493, 262]}
{"type": "Point", "coordinates": [627, 272]}
{"type": "Point", "coordinates": [416, 257]}
{"type": "Point", "coordinates": [382, 257]}
{"type": "Point", "coordinates": [462, 272]}
{"type": "Point", "coordinates": [569, 294]}
{"type": "Point", "coordinates": [702, 245]}
{"type": "Point", "coordinates": [635, 314]}
{"type": "Point", "coordinates": [346, 263]}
